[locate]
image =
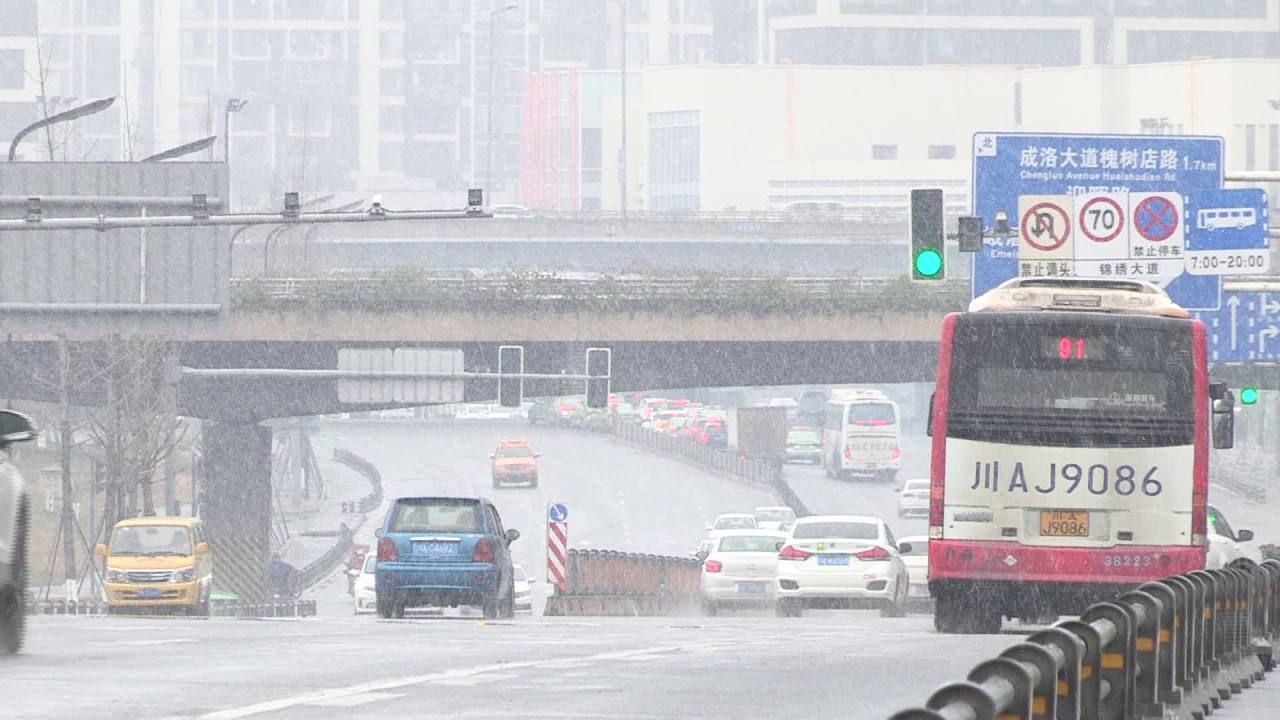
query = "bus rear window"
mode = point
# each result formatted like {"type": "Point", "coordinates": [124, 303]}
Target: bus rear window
{"type": "Point", "coordinates": [874, 413]}
{"type": "Point", "coordinates": [1055, 378]}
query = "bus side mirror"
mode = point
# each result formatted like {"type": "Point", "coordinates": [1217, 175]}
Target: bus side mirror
{"type": "Point", "coordinates": [1224, 420]}
{"type": "Point", "coordinates": [1217, 390]}
{"type": "Point", "coordinates": [928, 422]}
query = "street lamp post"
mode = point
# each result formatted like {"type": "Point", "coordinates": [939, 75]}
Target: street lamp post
{"type": "Point", "coordinates": [234, 105]}
{"type": "Point", "coordinates": [623, 170]}
{"type": "Point", "coordinates": [493, 53]}
{"type": "Point", "coordinates": [65, 116]}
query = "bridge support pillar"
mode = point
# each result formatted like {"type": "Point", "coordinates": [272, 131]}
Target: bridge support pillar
{"type": "Point", "coordinates": [235, 504]}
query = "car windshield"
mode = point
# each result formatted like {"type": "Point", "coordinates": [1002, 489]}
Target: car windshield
{"type": "Point", "coordinates": [774, 515]}
{"type": "Point", "coordinates": [370, 563]}
{"type": "Point", "coordinates": [736, 523]}
{"type": "Point", "coordinates": [914, 486]}
{"type": "Point", "coordinates": [151, 540]}
{"type": "Point", "coordinates": [836, 530]}
{"type": "Point", "coordinates": [802, 437]}
{"type": "Point", "coordinates": [515, 451]}
{"type": "Point", "coordinates": [748, 543]}
{"type": "Point", "coordinates": [441, 515]}
{"type": "Point", "coordinates": [518, 573]}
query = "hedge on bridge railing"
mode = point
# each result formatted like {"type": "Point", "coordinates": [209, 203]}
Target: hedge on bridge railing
{"type": "Point", "coordinates": [607, 582]}
{"type": "Point", "coordinates": [320, 568]}
{"type": "Point", "coordinates": [338, 553]}
{"type": "Point", "coordinates": [410, 289]}
{"type": "Point", "coordinates": [1177, 647]}
{"type": "Point", "coordinates": [758, 472]}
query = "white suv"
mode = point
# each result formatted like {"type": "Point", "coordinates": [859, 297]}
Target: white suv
{"type": "Point", "coordinates": [14, 514]}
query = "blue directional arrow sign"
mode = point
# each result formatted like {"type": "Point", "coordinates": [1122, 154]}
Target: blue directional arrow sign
{"type": "Point", "coordinates": [1246, 327]}
{"type": "Point", "coordinates": [1007, 166]}
{"type": "Point", "coordinates": [558, 513]}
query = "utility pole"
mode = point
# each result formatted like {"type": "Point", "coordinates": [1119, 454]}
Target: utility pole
{"type": "Point", "coordinates": [64, 442]}
{"type": "Point", "coordinates": [622, 170]}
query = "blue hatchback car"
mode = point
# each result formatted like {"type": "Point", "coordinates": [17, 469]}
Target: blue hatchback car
{"type": "Point", "coordinates": [444, 552]}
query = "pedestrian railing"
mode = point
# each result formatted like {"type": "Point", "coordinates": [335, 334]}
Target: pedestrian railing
{"type": "Point", "coordinates": [607, 582]}
{"type": "Point", "coordinates": [300, 608]}
{"type": "Point", "coordinates": [1177, 647]}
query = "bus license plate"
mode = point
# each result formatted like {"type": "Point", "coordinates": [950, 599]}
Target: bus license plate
{"type": "Point", "coordinates": [1060, 523]}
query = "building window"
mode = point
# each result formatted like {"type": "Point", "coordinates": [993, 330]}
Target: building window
{"type": "Point", "coordinates": [309, 119]}
{"type": "Point", "coordinates": [942, 152]}
{"type": "Point", "coordinates": [391, 11]}
{"type": "Point", "coordinates": [251, 9]}
{"type": "Point", "coordinates": [195, 79]}
{"type": "Point", "coordinates": [197, 10]}
{"type": "Point", "coordinates": [391, 81]}
{"type": "Point", "coordinates": [12, 69]}
{"type": "Point", "coordinates": [391, 119]}
{"type": "Point", "coordinates": [792, 7]}
{"type": "Point", "coordinates": [675, 169]}
{"type": "Point", "coordinates": [197, 44]}
{"type": "Point", "coordinates": [102, 64]}
{"type": "Point", "coordinates": [391, 45]}
{"type": "Point", "coordinates": [391, 157]}
{"type": "Point", "coordinates": [311, 45]}
{"type": "Point", "coordinates": [884, 152]}
{"type": "Point", "coordinates": [251, 45]}
{"type": "Point", "coordinates": [102, 12]}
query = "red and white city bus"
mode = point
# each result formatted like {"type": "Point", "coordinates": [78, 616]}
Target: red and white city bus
{"type": "Point", "coordinates": [1071, 432]}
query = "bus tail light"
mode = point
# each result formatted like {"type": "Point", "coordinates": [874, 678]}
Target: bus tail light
{"type": "Point", "coordinates": [848, 454]}
{"type": "Point", "coordinates": [1199, 518]}
{"type": "Point", "coordinates": [895, 454]}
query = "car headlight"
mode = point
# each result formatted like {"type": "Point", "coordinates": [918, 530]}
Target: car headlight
{"type": "Point", "coordinates": [186, 574]}
{"type": "Point", "coordinates": [116, 575]}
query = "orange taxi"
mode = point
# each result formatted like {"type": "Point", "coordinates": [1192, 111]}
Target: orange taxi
{"type": "Point", "coordinates": [514, 463]}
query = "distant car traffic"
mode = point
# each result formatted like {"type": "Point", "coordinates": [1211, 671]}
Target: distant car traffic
{"type": "Point", "coordinates": [739, 570]}
{"type": "Point", "coordinates": [841, 561]}
{"type": "Point", "coordinates": [913, 498]}
{"type": "Point", "coordinates": [524, 591]}
{"type": "Point", "coordinates": [733, 521]}
{"type": "Point", "coordinates": [365, 592]}
{"type": "Point", "coordinates": [444, 552]}
{"type": "Point", "coordinates": [914, 551]}
{"type": "Point", "coordinates": [804, 445]}
{"type": "Point", "coordinates": [514, 463]}
{"type": "Point", "coordinates": [775, 517]}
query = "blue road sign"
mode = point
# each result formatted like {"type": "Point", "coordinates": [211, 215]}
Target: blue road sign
{"type": "Point", "coordinates": [1227, 232]}
{"type": "Point", "coordinates": [1246, 327]}
{"type": "Point", "coordinates": [558, 512]}
{"type": "Point", "coordinates": [1009, 165]}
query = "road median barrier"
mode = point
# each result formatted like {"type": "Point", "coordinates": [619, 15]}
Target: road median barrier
{"type": "Point", "coordinates": [1174, 648]}
{"type": "Point", "coordinates": [758, 473]}
{"type": "Point", "coordinates": [612, 583]}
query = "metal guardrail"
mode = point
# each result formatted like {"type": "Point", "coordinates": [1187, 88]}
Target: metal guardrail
{"type": "Point", "coordinates": [373, 499]}
{"type": "Point", "coordinates": [338, 553]}
{"type": "Point", "coordinates": [1178, 647]}
{"type": "Point", "coordinates": [767, 474]}
{"type": "Point", "coordinates": [300, 608]}
{"type": "Point", "coordinates": [607, 582]}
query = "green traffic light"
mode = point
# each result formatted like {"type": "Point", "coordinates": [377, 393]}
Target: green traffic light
{"type": "Point", "coordinates": [1248, 395]}
{"type": "Point", "coordinates": [928, 262]}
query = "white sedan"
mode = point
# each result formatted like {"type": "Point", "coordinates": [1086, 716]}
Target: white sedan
{"type": "Point", "coordinates": [733, 521]}
{"type": "Point", "coordinates": [914, 552]}
{"type": "Point", "coordinates": [841, 561]}
{"type": "Point", "coordinates": [913, 498]}
{"type": "Point", "coordinates": [366, 596]}
{"type": "Point", "coordinates": [523, 589]}
{"type": "Point", "coordinates": [739, 569]}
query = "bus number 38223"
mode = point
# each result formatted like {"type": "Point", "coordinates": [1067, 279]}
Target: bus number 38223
{"type": "Point", "coordinates": [1095, 479]}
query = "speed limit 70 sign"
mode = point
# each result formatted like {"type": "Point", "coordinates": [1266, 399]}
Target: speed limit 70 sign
{"type": "Point", "coordinates": [1102, 223]}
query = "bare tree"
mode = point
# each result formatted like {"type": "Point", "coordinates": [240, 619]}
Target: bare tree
{"type": "Point", "coordinates": [137, 428]}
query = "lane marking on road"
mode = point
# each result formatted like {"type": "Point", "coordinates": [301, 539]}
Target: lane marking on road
{"type": "Point", "coordinates": [655, 652]}
{"type": "Point", "coordinates": [354, 700]}
{"type": "Point", "coordinates": [163, 641]}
